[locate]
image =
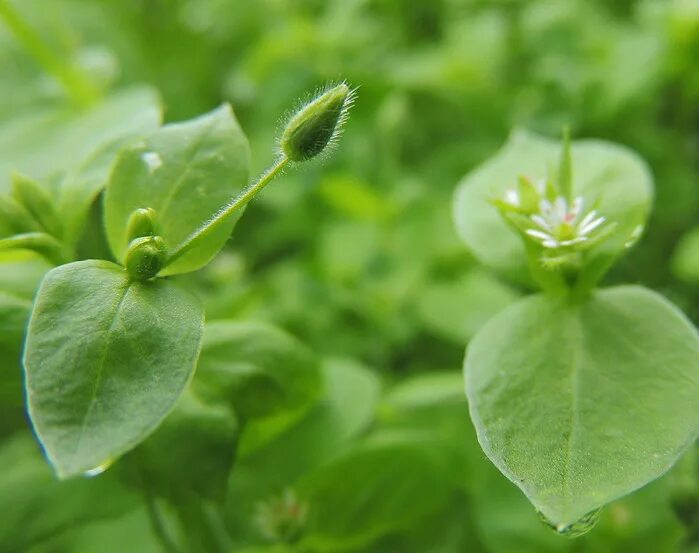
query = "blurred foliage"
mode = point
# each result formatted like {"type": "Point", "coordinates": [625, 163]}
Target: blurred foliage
{"type": "Point", "coordinates": [355, 256]}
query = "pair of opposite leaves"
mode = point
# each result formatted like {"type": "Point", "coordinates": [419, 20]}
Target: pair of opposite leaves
{"type": "Point", "coordinates": [109, 351]}
{"type": "Point", "coordinates": [577, 402]}
{"type": "Point", "coordinates": [106, 356]}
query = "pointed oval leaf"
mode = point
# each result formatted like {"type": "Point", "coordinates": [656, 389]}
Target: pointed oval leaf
{"type": "Point", "coordinates": [186, 172]}
{"type": "Point", "coordinates": [579, 405]}
{"type": "Point", "coordinates": [371, 491]}
{"type": "Point", "coordinates": [609, 177]}
{"type": "Point", "coordinates": [43, 142]}
{"type": "Point", "coordinates": [260, 370]}
{"type": "Point", "coordinates": [105, 359]}
{"type": "Point", "coordinates": [192, 451]}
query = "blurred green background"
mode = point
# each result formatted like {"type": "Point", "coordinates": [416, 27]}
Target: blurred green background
{"type": "Point", "coordinates": [357, 257]}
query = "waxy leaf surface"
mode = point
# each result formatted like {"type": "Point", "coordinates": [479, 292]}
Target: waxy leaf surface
{"type": "Point", "coordinates": [186, 172]}
{"type": "Point", "coordinates": [105, 359]}
{"type": "Point", "coordinates": [579, 405]}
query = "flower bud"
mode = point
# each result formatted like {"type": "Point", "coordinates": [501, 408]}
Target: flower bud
{"type": "Point", "coordinates": [141, 223]}
{"type": "Point", "coordinates": [282, 519]}
{"type": "Point", "coordinates": [145, 257]}
{"type": "Point", "coordinates": [317, 124]}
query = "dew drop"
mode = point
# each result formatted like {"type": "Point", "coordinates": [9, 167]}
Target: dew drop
{"type": "Point", "coordinates": [99, 469]}
{"type": "Point", "coordinates": [577, 528]}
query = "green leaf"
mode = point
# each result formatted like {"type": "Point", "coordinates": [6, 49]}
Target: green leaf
{"type": "Point", "coordinates": [186, 172]}
{"type": "Point", "coordinates": [14, 314]}
{"type": "Point", "coordinates": [37, 507]}
{"type": "Point", "coordinates": [106, 359]}
{"type": "Point", "coordinates": [258, 369]}
{"type": "Point", "coordinates": [346, 408]}
{"type": "Point", "coordinates": [336, 418]}
{"type": "Point", "coordinates": [371, 491]}
{"type": "Point", "coordinates": [457, 309]}
{"type": "Point", "coordinates": [191, 451]}
{"type": "Point", "coordinates": [610, 178]}
{"type": "Point", "coordinates": [20, 274]}
{"type": "Point", "coordinates": [37, 201]}
{"type": "Point", "coordinates": [685, 258]}
{"type": "Point", "coordinates": [51, 141]}
{"type": "Point", "coordinates": [581, 404]}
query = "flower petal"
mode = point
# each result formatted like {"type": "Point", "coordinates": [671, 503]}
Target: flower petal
{"type": "Point", "coordinates": [539, 220]}
{"type": "Point", "coordinates": [590, 226]}
{"type": "Point", "coordinates": [538, 234]}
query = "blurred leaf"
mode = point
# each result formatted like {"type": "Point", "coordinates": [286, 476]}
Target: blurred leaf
{"type": "Point", "coordinates": [685, 259]}
{"type": "Point", "coordinates": [256, 369]}
{"type": "Point", "coordinates": [369, 492]}
{"type": "Point", "coordinates": [456, 310]}
{"type": "Point", "coordinates": [191, 451]}
{"type": "Point", "coordinates": [20, 274]}
{"type": "Point", "coordinates": [51, 141]}
{"type": "Point", "coordinates": [37, 507]}
{"type": "Point", "coordinates": [346, 408]}
{"type": "Point", "coordinates": [355, 198]}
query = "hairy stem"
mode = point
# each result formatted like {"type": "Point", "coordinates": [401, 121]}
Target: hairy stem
{"type": "Point", "coordinates": [234, 205]}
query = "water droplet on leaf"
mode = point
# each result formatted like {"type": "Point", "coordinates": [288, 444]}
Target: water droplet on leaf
{"type": "Point", "coordinates": [577, 528]}
{"type": "Point", "coordinates": [99, 469]}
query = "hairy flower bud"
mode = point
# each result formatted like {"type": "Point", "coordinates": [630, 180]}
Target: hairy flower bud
{"type": "Point", "coordinates": [316, 124]}
{"type": "Point", "coordinates": [145, 257]}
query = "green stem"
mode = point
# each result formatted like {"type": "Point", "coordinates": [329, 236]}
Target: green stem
{"type": "Point", "coordinates": [78, 86]}
{"type": "Point", "coordinates": [158, 526]}
{"type": "Point", "coordinates": [234, 205]}
{"type": "Point", "coordinates": [202, 525]}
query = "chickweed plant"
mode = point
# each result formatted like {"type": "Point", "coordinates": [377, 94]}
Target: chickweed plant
{"type": "Point", "coordinates": [579, 394]}
{"type": "Point", "coordinates": [112, 347]}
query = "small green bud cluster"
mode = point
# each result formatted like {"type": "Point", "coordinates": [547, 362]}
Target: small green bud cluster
{"type": "Point", "coordinates": [141, 223]}
{"type": "Point", "coordinates": [282, 519]}
{"type": "Point", "coordinates": [317, 124]}
{"type": "Point", "coordinates": [146, 253]}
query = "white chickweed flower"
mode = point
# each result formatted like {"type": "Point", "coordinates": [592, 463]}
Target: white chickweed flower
{"type": "Point", "coordinates": [558, 224]}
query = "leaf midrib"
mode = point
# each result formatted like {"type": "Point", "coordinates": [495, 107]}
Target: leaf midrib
{"type": "Point", "coordinates": [575, 336]}
{"type": "Point", "coordinates": [116, 308]}
{"type": "Point", "coordinates": [191, 162]}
